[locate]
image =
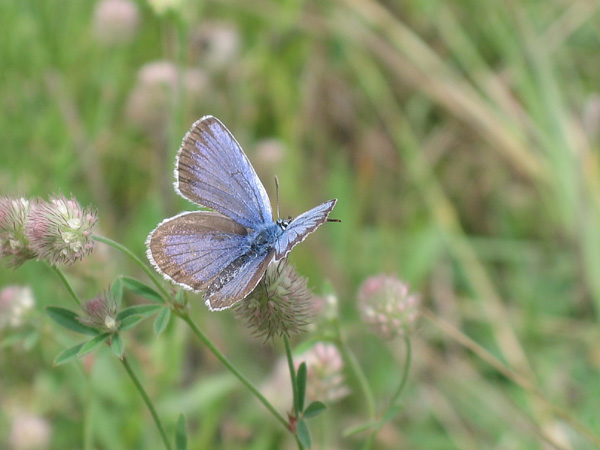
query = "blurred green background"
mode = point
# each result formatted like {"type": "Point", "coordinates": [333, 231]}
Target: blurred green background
{"type": "Point", "coordinates": [461, 139]}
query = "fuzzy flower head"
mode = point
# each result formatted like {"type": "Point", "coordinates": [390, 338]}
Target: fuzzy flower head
{"type": "Point", "coordinates": [387, 306]}
{"type": "Point", "coordinates": [324, 373]}
{"type": "Point", "coordinates": [115, 21]}
{"type": "Point", "coordinates": [16, 302]}
{"type": "Point", "coordinates": [60, 230]}
{"type": "Point", "coordinates": [215, 45]}
{"type": "Point", "coordinates": [30, 432]}
{"type": "Point", "coordinates": [101, 313]}
{"type": "Point", "coordinates": [14, 243]}
{"type": "Point", "coordinates": [280, 304]}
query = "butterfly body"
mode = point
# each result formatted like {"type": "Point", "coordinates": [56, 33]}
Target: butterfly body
{"type": "Point", "coordinates": [223, 253]}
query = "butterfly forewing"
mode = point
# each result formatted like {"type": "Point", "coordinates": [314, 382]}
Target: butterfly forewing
{"type": "Point", "coordinates": [301, 227]}
{"type": "Point", "coordinates": [192, 248]}
{"type": "Point", "coordinates": [213, 171]}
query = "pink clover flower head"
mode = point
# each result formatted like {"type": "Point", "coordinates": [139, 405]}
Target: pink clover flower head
{"type": "Point", "coordinates": [115, 22]}
{"type": "Point", "coordinates": [14, 243]}
{"type": "Point", "coordinates": [60, 230]}
{"type": "Point", "coordinates": [325, 379]}
{"type": "Point", "coordinates": [29, 432]}
{"type": "Point", "coordinates": [16, 302]}
{"type": "Point", "coordinates": [387, 306]}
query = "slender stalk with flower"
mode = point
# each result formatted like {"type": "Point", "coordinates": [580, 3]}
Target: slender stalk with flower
{"type": "Point", "coordinates": [59, 232]}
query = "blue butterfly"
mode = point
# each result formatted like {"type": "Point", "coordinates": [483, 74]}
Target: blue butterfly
{"type": "Point", "coordinates": [223, 253]}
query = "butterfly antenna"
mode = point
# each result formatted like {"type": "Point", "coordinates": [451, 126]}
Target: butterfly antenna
{"type": "Point", "coordinates": [334, 220]}
{"type": "Point", "coordinates": [277, 194]}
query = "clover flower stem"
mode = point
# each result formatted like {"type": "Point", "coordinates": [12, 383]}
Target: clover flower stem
{"type": "Point", "coordinates": [290, 360]}
{"type": "Point", "coordinates": [147, 400]}
{"type": "Point", "coordinates": [404, 376]}
{"type": "Point", "coordinates": [509, 373]}
{"type": "Point", "coordinates": [245, 381]}
{"type": "Point", "coordinates": [66, 283]}
{"type": "Point", "coordinates": [135, 259]}
{"type": "Point", "coordinates": [355, 368]}
{"type": "Point", "coordinates": [394, 399]}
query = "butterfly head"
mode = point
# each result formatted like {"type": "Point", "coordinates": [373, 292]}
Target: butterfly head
{"type": "Point", "coordinates": [283, 223]}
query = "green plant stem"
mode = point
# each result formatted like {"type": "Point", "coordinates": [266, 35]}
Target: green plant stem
{"type": "Point", "coordinates": [385, 417]}
{"type": "Point", "coordinates": [67, 284]}
{"type": "Point", "coordinates": [245, 381]}
{"type": "Point", "coordinates": [516, 378]}
{"type": "Point", "coordinates": [404, 378]}
{"type": "Point", "coordinates": [147, 400]}
{"type": "Point", "coordinates": [135, 259]}
{"type": "Point", "coordinates": [290, 360]}
{"type": "Point", "coordinates": [355, 368]}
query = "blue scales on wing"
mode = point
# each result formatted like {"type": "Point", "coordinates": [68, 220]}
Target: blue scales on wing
{"type": "Point", "coordinates": [193, 248]}
{"type": "Point", "coordinates": [299, 228]}
{"type": "Point", "coordinates": [212, 170]}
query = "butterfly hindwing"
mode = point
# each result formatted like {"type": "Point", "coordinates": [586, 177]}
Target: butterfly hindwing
{"type": "Point", "coordinates": [240, 283]}
{"type": "Point", "coordinates": [213, 171]}
{"type": "Point", "coordinates": [192, 248]}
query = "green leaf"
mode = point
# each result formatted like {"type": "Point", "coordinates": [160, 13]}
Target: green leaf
{"type": "Point", "coordinates": [303, 434]}
{"type": "Point", "coordinates": [117, 291]}
{"type": "Point", "coordinates": [139, 310]}
{"type": "Point", "coordinates": [141, 289]}
{"type": "Point", "coordinates": [68, 355]}
{"type": "Point", "coordinates": [93, 343]}
{"type": "Point", "coordinates": [162, 320]}
{"type": "Point", "coordinates": [181, 434]}
{"type": "Point", "coordinates": [314, 409]}
{"type": "Point", "coordinates": [68, 319]}
{"type": "Point", "coordinates": [181, 297]}
{"type": "Point", "coordinates": [129, 322]}
{"type": "Point", "coordinates": [301, 386]}
{"type": "Point", "coordinates": [117, 346]}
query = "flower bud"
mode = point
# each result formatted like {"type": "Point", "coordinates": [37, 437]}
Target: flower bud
{"type": "Point", "coordinates": [14, 243]}
{"type": "Point", "coordinates": [60, 230]}
{"type": "Point", "coordinates": [101, 313]}
{"type": "Point", "coordinates": [280, 304]}
{"type": "Point", "coordinates": [387, 306]}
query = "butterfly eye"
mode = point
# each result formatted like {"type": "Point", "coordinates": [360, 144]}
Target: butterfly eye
{"type": "Point", "coordinates": [283, 223]}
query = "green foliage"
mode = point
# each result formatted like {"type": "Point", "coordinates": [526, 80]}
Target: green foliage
{"type": "Point", "coordinates": [141, 289]}
{"type": "Point", "coordinates": [162, 320]}
{"type": "Point", "coordinates": [314, 409]}
{"type": "Point", "coordinates": [304, 434]}
{"type": "Point", "coordinates": [68, 319]}
{"type": "Point", "coordinates": [300, 386]}
{"type": "Point", "coordinates": [93, 343]}
{"type": "Point", "coordinates": [181, 434]}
